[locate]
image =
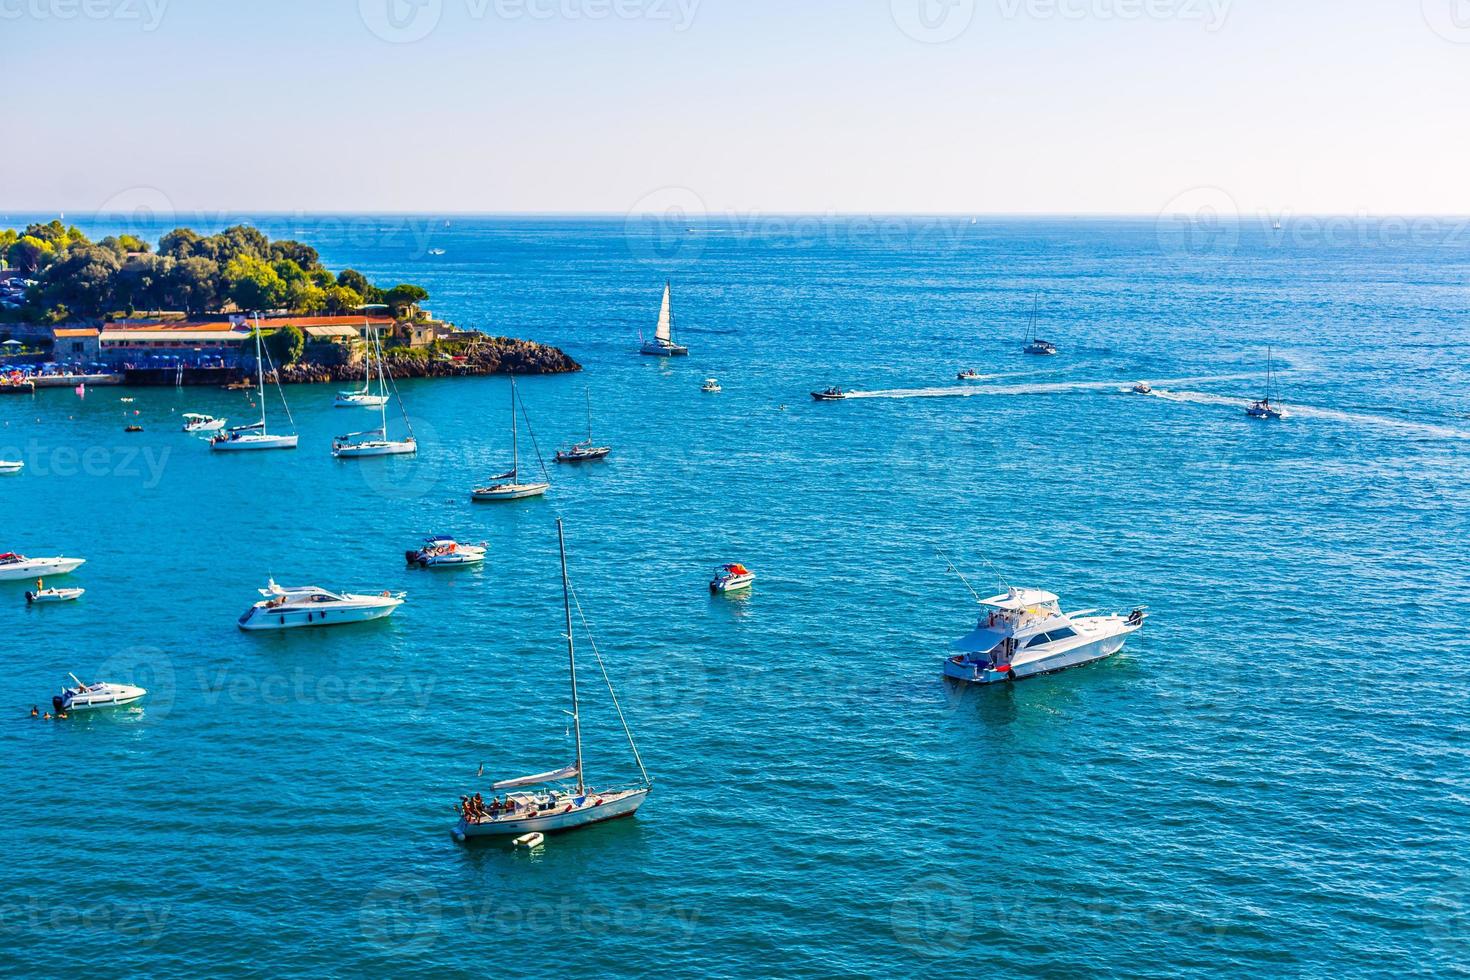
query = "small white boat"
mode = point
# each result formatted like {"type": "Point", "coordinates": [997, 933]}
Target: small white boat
{"type": "Point", "coordinates": [91, 697]}
{"type": "Point", "coordinates": [1024, 633]}
{"type": "Point", "coordinates": [14, 567]}
{"type": "Point", "coordinates": [442, 551]}
{"type": "Point", "coordinates": [8, 466]}
{"type": "Point", "coordinates": [509, 486]}
{"type": "Point", "coordinates": [436, 251]}
{"type": "Point", "coordinates": [310, 606]}
{"type": "Point", "coordinates": [970, 375]}
{"type": "Point", "coordinates": [252, 438]}
{"type": "Point", "coordinates": [195, 422]}
{"type": "Point", "coordinates": [731, 578]}
{"type": "Point", "coordinates": [530, 841]}
{"type": "Point", "coordinates": [711, 386]}
{"type": "Point", "coordinates": [54, 595]}
{"type": "Point", "coordinates": [662, 344]}
{"type": "Point", "coordinates": [1143, 388]}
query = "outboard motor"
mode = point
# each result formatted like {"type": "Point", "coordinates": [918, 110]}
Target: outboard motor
{"type": "Point", "coordinates": [412, 557]}
{"type": "Point", "coordinates": [58, 703]}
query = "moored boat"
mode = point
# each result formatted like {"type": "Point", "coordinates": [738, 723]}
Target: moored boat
{"type": "Point", "coordinates": [375, 442]}
{"type": "Point", "coordinates": [587, 450]}
{"type": "Point", "coordinates": [1034, 344]}
{"type": "Point", "coordinates": [196, 422]}
{"type": "Point", "coordinates": [311, 606]}
{"type": "Point", "coordinates": [443, 551]}
{"type": "Point", "coordinates": [92, 697]}
{"type": "Point", "coordinates": [14, 567]}
{"type": "Point", "coordinates": [731, 578]}
{"type": "Point", "coordinates": [43, 596]}
{"type": "Point", "coordinates": [256, 437]}
{"type": "Point", "coordinates": [711, 386]}
{"type": "Point", "coordinates": [508, 485]}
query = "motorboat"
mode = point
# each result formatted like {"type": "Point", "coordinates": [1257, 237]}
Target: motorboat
{"type": "Point", "coordinates": [509, 485]}
{"type": "Point", "coordinates": [42, 596]}
{"type": "Point", "coordinates": [443, 551]}
{"type": "Point", "coordinates": [195, 422]}
{"type": "Point", "coordinates": [560, 799]}
{"type": "Point", "coordinates": [662, 344]}
{"type": "Point", "coordinates": [310, 606]}
{"type": "Point", "coordinates": [15, 567]}
{"type": "Point", "coordinates": [711, 386]}
{"type": "Point", "coordinates": [731, 578]}
{"type": "Point", "coordinates": [8, 466]}
{"type": "Point", "coordinates": [587, 450]}
{"type": "Point", "coordinates": [1034, 344]}
{"type": "Point", "coordinates": [970, 375]}
{"type": "Point", "coordinates": [1143, 388]}
{"type": "Point", "coordinates": [1024, 633]}
{"type": "Point", "coordinates": [829, 395]}
{"type": "Point", "coordinates": [1265, 408]}
{"type": "Point", "coordinates": [92, 697]}
{"type": "Point", "coordinates": [256, 437]}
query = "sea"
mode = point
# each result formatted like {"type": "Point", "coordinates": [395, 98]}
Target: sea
{"type": "Point", "coordinates": [1271, 779]}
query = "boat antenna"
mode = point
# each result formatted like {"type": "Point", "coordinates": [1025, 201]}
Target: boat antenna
{"type": "Point", "coordinates": [958, 573]}
{"type": "Point", "coordinates": [566, 597]}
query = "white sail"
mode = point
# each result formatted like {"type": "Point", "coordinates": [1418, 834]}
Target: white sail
{"type": "Point", "coordinates": [665, 332]}
{"type": "Point", "coordinates": [570, 772]}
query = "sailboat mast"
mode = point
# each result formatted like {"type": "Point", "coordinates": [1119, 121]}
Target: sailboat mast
{"type": "Point", "coordinates": [515, 436]}
{"type": "Point", "coordinates": [382, 383]}
{"type": "Point", "coordinates": [260, 373]}
{"type": "Point", "coordinates": [566, 598]}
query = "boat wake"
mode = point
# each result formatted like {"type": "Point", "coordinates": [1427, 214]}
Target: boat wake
{"type": "Point", "coordinates": [1294, 410]}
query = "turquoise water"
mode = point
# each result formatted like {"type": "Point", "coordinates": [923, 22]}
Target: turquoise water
{"type": "Point", "coordinates": [1270, 779]}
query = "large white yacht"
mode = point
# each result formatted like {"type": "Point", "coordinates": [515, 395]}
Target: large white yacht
{"type": "Point", "coordinates": [15, 567]}
{"type": "Point", "coordinates": [293, 608]}
{"type": "Point", "coordinates": [1024, 633]}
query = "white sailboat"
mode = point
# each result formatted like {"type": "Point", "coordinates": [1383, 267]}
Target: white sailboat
{"type": "Point", "coordinates": [245, 438]}
{"type": "Point", "coordinates": [587, 450]}
{"type": "Point", "coordinates": [1265, 408]}
{"type": "Point", "coordinates": [561, 799]}
{"type": "Point", "coordinates": [375, 442]}
{"type": "Point", "coordinates": [364, 397]}
{"type": "Point", "coordinates": [662, 344]}
{"type": "Point", "coordinates": [508, 486]}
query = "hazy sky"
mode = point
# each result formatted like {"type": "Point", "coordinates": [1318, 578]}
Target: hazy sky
{"type": "Point", "coordinates": [767, 106]}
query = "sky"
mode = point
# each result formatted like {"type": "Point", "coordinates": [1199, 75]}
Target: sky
{"type": "Point", "coordinates": [737, 106]}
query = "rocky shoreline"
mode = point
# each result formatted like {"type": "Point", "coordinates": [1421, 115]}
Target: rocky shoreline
{"type": "Point", "coordinates": [494, 355]}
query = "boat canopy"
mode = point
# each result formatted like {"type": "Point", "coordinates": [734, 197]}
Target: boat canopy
{"type": "Point", "coordinates": [570, 772]}
{"type": "Point", "coordinates": [735, 568]}
{"type": "Point", "coordinates": [1018, 599]}
{"type": "Point", "coordinates": [198, 417]}
{"type": "Point", "coordinates": [980, 641]}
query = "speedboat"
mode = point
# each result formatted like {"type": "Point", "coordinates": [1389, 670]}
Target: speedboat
{"type": "Point", "coordinates": [195, 422]}
{"type": "Point", "coordinates": [14, 567]}
{"type": "Point", "coordinates": [54, 595]}
{"type": "Point", "coordinates": [284, 609]}
{"type": "Point", "coordinates": [8, 466]}
{"type": "Point", "coordinates": [970, 375]}
{"type": "Point", "coordinates": [829, 395]}
{"type": "Point", "coordinates": [1024, 633]}
{"type": "Point", "coordinates": [90, 697]}
{"type": "Point", "coordinates": [662, 344]}
{"type": "Point", "coordinates": [1143, 388]}
{"type": "Point", "coordinates": [731, 578]}
{"type": "Point", "coordinates": [442, 551]}
{"type": "Point", "coordinates": [711, 386]}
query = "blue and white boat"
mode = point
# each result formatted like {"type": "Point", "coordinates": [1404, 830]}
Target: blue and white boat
{"type": "Point", "coordinates": [1024, 633]}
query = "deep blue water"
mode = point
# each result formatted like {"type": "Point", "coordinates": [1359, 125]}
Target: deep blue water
{"type": "Point", "coordinates": [1271, 779]}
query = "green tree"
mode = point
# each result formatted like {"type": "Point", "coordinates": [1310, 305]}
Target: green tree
{"type": "Point", "coordinates": [82, 280]}
{"type": "Point", "coordinates": [303, 255]}
{"type": "Point", "coordinates": [193, 284]}
{"type": "Point", "coordinates": [252, 284]}
{"type": "Point", "coordinates": [285, 345]}
{"type": "Point", "coordinates": [341, 300]}
{"type": "Point", "coordinates": [357, 282]}
{"type": "Point", "coordinates": [403, 296]}
{"type": "Point", "coordinates": [30, 253]}
{"type": "Point", "coordinates": [181, 243]}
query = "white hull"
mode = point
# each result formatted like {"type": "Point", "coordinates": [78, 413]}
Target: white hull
{"type": "Point", "coordinates": [513, 491]}
{"type": "Point", "coordinates": [7, 467]}
{"type": "Point", "coordinates": [330, 614]}
{"type": "Point", "coordinates": [1089, 651]}
{"type": "Point", "coordinates": [254, 443]}
{"type": "Point", "coordinates": [38, 567]}
{"type": "Point", "coordinates": [377, 448]}
{"type": "Point", "coordinates": [615, 805]}
{"type": "Point", "coordinates": [116, 696]}
{"type": "Point", "coordinates": [360, 401]}
{"type": "Point", "coordinates": [665, 350]}
{"type": "Point", "coordinates": [738, 583]}
{"type": "Point", "coordinates": [54, 595]}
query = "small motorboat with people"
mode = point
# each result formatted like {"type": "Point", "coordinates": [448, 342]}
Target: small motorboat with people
{"type": "Point", "coordinates": [587, 450]}
{"type": "Point", "coordinates": [970, 375]}
{"type": "Point", "coordinates": [92, 697]}
{"type": "Point", "coordinates": [1024, 633]}
{"type": "Point", "coordinates": [711, 386]}
{"type": "Point", "coordinates": [508, 485]}
{"type": "Point", "coordinates": [256, 437]}
{"type": "Point", "coordinates": [662, 344]}
{"type": "Point", "coordinates": [194, 423]}
{"type": "Point", "coordinates": [443, 551]}
{"type": "Point", "coordinates": [1266, 409]}
{"type": "Point", "coordinates": [733, 577]}
{"type": "Point", "coordinates": [310, 606]}
{"type": "Point", "coordinates": [11, 466]}
{"type": "Point", "coordinates": [1034, 344]}
{"type": "Point", "coordinates": [15, 567]}
{"type": "Point", "coordinates": [1143, 388]}
{"type": "Point", "coordinates": [42, 596]}
{"type": "Point", "coordinates": [561, 799]}
{"type": "Point", "coordinates": [829, 395]}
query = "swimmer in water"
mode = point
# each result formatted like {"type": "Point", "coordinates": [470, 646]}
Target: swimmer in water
{"type": "Point", "coordinates": [35, 711]}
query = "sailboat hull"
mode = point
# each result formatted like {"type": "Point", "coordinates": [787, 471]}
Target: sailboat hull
{"type": "Point", "coordinates": [360, 401]}
{"type": "Point", "coordinates": [377, 448]}
{"type": "Point", "coordinates": [613, 806]}
{"type": "Point", "coordinates": [512, 491]}
{"type": "Point", "coordinates": [665, 350]}
{"type": "Point", "coordinates": [253, 443]}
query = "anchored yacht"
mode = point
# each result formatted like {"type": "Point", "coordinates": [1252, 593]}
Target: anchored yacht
{"type": "Point", "coordinates": [509, 485]}
{"type": "Point", "coordinates": [284, 609]}
{"type": "Point", "coordinates": [15, 567]}
{"type": "Point", "coordinates": [442, 551]}
{"type": "Point", "coordinates": [1024, 633]}
{"type": "Point", "coordinates": [195, 422]}
{"type": "Point", "coordinates": [255, 437]}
